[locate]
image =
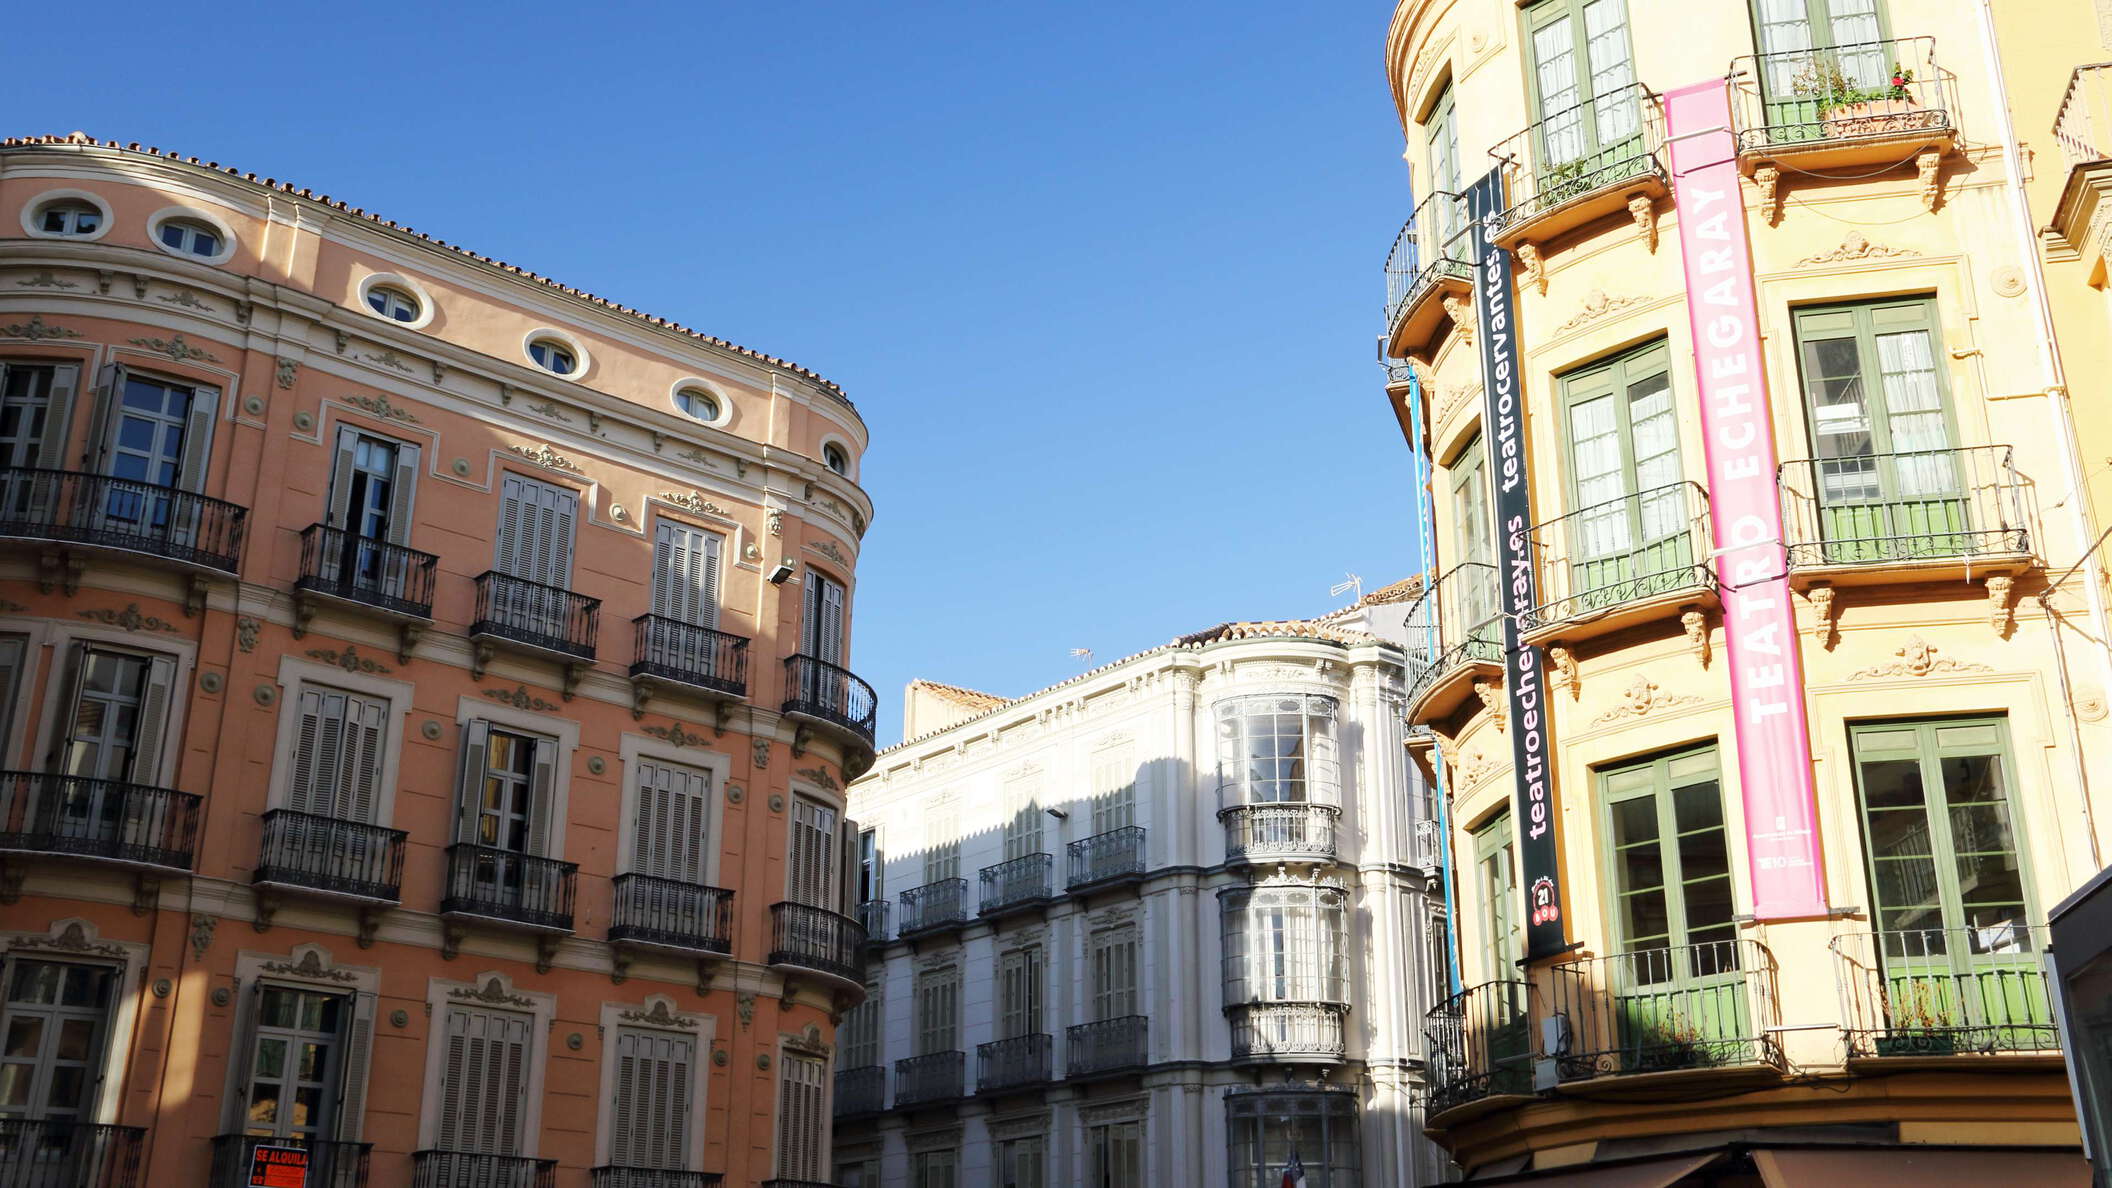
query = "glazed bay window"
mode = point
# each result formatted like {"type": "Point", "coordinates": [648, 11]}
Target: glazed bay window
{"type": "Point", "coordinates": [802, 1118]}
{"type": "Point", "coordinates": [1279, 787]}
{"type": "Point", "coordinates": [1273, 1135]}
{"type": "Point", "coordinates": [1286, 970]}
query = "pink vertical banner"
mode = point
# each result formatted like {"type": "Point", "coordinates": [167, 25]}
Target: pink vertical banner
{"type": "Point", "coordinates": [1745, 508]}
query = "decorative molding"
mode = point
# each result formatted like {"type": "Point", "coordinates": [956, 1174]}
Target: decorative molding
{"type": "Point", "coordinates": [187, 299]}
{"type": "Point", "coordinates": [1928, 167]}
{"type": "Point", "coordinates": [761, 747]}
{"type": "Point", "coordinates": [549, 408]}
{"type": "Point", "coordinates": [349, 660]}
{"type": "Point", "coordinates": [543, 455]}
{"type": "Point", "coordinates": [697, 456]}
{"type": "Point", "coordinates": [1597, 305]}
{"type": "Point", "coordinates": [693, 501]}
{"type": "Point", "coordinates": [1769, 179]}
{"type": "Point", "coordinates": [2001, 614]}
{"type": "Point", "coordinates": [1567, 675]}
{"type": "Point", "coordinates": [1856, 246]}
{"type": "Point", "coordinates": [310, 965]}
{"type": "Point", "coordinates": [1462, 317]}
{"type": "Point", "coordinates": [202, 927]}
{"type": "Point", "coordinates": [379, 406]}
{"type": "Point", "coordinates": [819, 776]}
{"type": "Point", "coordinates": [35, 329]}
{"type": "Point", "coordinates": [390, 359]}
{"type": "Point", "coordinates": [674, 735]}
{"type": "Point", "coordinates": [1917, 658]}
{"type": "Point", "coordinates": [744, 1006]}
{"type": "Point", "coordinates": [1826, 613]}
{"type": "Point", "coordinates": [658, 1016]}
{"type": "Point", "coordinates": [1642, 697]}
{"type": "Point", "coordinates": [774, 519]}
{"type": "Point", "coordinates": [494, 992]}
{"type": "Point", "coordinates": [1473, 767]}
{"type": "Point", "coordinates": [520, 698]}
{"type": "Point", "coordinates": [1535, 267]}
{"type": "Point", "coordinates": [1491, 695]}
{"type": "Point", "coordinates": [286, 371]}
{"type": "Point", "coordinates": [1644, 212]}
{"type": "Point", "coordinates": [1696, 625]}
{"type": "Point", "coordinates": [175, 348]}
{"type": "Point", "coordinates": [1454, 397]}
{"type": "Point", "coordinates": [827, 548]}
{"type": "Point", "coordinates": [130, 619]}
{"type": "Point", "coordinates": [70, 936]}
{"type": "Point", "coordinates": [10, 606]}
{"type": "Point", "coordinates": [45, 280]}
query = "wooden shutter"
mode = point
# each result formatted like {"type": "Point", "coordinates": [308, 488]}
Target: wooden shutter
{"type": "Point", "coordinates": [536, 523]}
{"type": "Point", "coordinates": [69, 705]}
{"type": "Point", "coordinates": [156, 705]}
{"type": "Point", "coordinates": [109, 389]}
{"type": "Point", "coordinates": [802, 1145]}
{"type": "Point", "coordinates": [847, 858]}
{"type": "Point", "coordinates": [198, 438]}
{"type": "Point", "coordinates": [542, 799]}
{"type": "Point", "coordinates": [1019, 992]}
{"type": "Point", "coordinates": [314, 722]}
{"type": "Point", "coordinates": [654, 1073]}
{"type": "Point", "coordinates": [352, 1082]}
{"type": "Point", "coordinates": [14, 652]}
{"type": "Point", "coordinates": [337, 755]}
{"type": "Point", "coordinates": [403, 491]}
{"type": "Point", "coordinates": [469, 780]}
{"type": "Point", "coordinates": [340, 509]}
{"type": "Point", "coordinates": [812, 858]}
{"type": "Point", "coordinates": [671, 830]}
{"type": "Point", "coordinates": [686, 574]}
{"type": "Point", "coordinates": [242, 1060]}
{"type": "Point", "coordinates": [823, 635]}
{"type": "Point", "coordinates": [58, 416]}
{"type": "Point", "coordinates": [483, 1081]}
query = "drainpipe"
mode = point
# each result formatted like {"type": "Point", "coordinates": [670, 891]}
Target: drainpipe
{"type": "Point", "coordinates": [2056, 393]}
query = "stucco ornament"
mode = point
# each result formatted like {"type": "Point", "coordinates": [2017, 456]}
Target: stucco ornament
{"type": "Point", "coordinates": [1567, 675]}
{"type": "Point", "coordinates": [1462, 318]}
{"type": "Point", "coordinates": [1644, 212]}
{"type": "Point", "coordinates": [2001, 614]}
{"type": "Point", "coordinates": [1491, 695]}
{"type": "Point", "coordinates": [1822, 604]}
{"type": "Point", "coordinates": [1642, 697]}
{"type": "Point", "coordinates": [1535, 267]}
{"type": "Point", "coordinates": [1918, 658]}
{"type": "Point", "coordinates": [1696, 625]}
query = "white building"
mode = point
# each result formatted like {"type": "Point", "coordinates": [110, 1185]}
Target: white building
{"type": "Point", "coordinates": [1165, 923]}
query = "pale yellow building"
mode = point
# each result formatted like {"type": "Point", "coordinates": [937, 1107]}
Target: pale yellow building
{"type": "Point", "coordinates": [1934, 552]}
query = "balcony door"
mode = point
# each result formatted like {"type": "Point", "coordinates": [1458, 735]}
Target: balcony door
{"type": "Point", "coordinates": [1503, 944]}
{"type": "Point", "coordinates": [35, 399]}
{"type": "Point", "coordinates": [1474, 544]}
{"type": "Point", "coordinates": [507, 787]}
{"type": "Point", "coordinates": [1441, 141]}
{"type": "Point", "coordinates": [671, 823]}
{"type": "Point", "coordinates": [371, 486]}
{"type": "Point", "coordinates": [1019, 977]}
{"type": "Point", "coordinates": [1885, 475]}
{"type": "Point", "coordinates": [536, 525]}
{"type": "Point", "coordinates": [113, 718]}
{"type": "Point", "coordinates": [1630, 518]}
{"type": "Point", "coordinates": [296, 1069]}
{"type": "Point", "coordinates": [52, 1040]}
{"type": "Point", "coordinates": [1583, 74]}
{"type": "Point", "coordinates": [1815, 54]}
{"type": "Point", "coordinates": [653, 1110]}
{"type": "Point", "coordinates": [812, 871]}
{"type": "Point", "coordinates": [484, 1081]}
{"type": "Point", "coordinates": [1020, 1162]}
{"type": "Point", "coordinates": [1114, 973]}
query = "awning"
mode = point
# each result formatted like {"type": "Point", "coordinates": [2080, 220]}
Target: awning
{"type": "Point", "coordinates": [1918, 1167]}
{"type": "Point", "coordinates": [1645, 1173]}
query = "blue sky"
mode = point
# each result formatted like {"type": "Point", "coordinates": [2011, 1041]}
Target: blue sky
{"type": "Point", "coordinates": [1102, 277]}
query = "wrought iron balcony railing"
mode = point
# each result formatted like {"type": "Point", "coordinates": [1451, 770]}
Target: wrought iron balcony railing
{"type": "Point", "coordinates": [653, 1177]}
{"type": "Point", "coordinates": [923, 1080]}
{"type": "Point", "coordinates": [1648, 545]}
{"type": "Point", "coordinates": [1106, 858]}
{"type": "Point", "coordinates": [691, 655]}
{"type": "Point", "coordinates": [326, 854]}
{"type": "Point", "coordinates": [70, 507]}
{"type": "Point", "coordinates": [816, 938]}
{"type": "Point", "coordinates": [1477, 1044]}
{"type": "Point", "coordinates": [672, 914]}
{"type": "Point", "coordinates": [1289, 1032]}
{"type": "Point", "coordinates": [1020, 883]}
{"type": "Point", "coordinates": [1902, 508]}
{"type": "Point", "coordinates": [1862, 92]}
{"type": "Point", "coordinates": [782, 1183]}
{"type": "Point", "coordinates": [505, 885]}
{"type": "Point", "coordinates": [1433, 247]}
{"type": "Point", "coordinates": [1707, 1005]}
{"type": "Point", "coordinates": [873, 916]}
{"type": "Point", "coordinates": [934, 907]}
{"type": "Point", "coordinates": [330, 1164]}
{"type": "Point", "coordinates": [1013, 1063]}
{"type": "Point", "coordinates": [821, 690]}
{"type": "Point", "coordinates": [107, 819]}
{"type": "Point", "coordinates": [341, 565]}
{"type": "Point", "coordinates": [1947, 991]}
{"type": "Point", "coordinates": [1605, 146]}
{"type": "Point", "coordinates": [1106, 1046]}
{"type": "Point", "coordinates": [2083, 126]}
{"type": "Point", "coordinates": [1287, 829]}
{"type": "Point", "coordinates": [1460, 609]}
{"type": "Point", "coordinates": [539, 616]}
{"type": "Point", "coordinates": [462, 1169]}
{"type": "Point", "coordinates": [861, 1091]}
{"type": "Point", "coordinates": [60, 1154]}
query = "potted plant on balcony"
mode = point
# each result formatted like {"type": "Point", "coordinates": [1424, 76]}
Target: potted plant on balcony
{"type": "Point", "coordinates": [1848, 109]}
{"type": "Point", "coordinates": [1672, 1043]}
{"type": "Point", "coordinates": [1918, 1022]}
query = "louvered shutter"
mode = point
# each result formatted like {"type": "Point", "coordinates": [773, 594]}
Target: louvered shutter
{"type": "Point", "coordinates": [343, 468]}
{"type": "Point", "coordinates": [847, 869]}
{"type": "Point", "coordinates": [831, 641]}
{"type": "Point", "coordinates": [366, 723]}
{"type": "Point", "coordinates": [76, 668]}
{"type": "Point", "coordinates": [352, 1081]}
{"type": "Point", "coordinates": [685, 574]}
{"type": "Point", "coordinates": [102, 425]}
{"type": "Point", "coordinates": [469, 780]}
{"type": "Point", "coordinates": [14, 651]}
{"type": "Point", "coordinates": [198, 438]}
{"type": "Point", "coordinates": [243, 1058]}
{"type": "Point", "coordinates": [802, 1134]}
{"type": "Point", "coordinates": [671, 831]}
{"type": "Point", "coordinates": [302, 791]}
{"type": "Point", "coordinates": [403, 490]}
{"type": "Point", "coordinates": [156, 702]}
{"type": "Point", "coordinates": [813, 875]}
{"type": "Point", "coordinates": [483, 1081]}
{"type": "Point", "coordinates": [58, 416]}
{"type": "Point", "coordinates": [543, 797]}
{"type": "Point", "coordinates": [654, 1072]}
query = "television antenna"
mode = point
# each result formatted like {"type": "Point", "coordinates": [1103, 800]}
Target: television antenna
{"type": "Point", "coordinates": [1349, 581]}
{"type": "Point", "coordinates": [1085, 654]}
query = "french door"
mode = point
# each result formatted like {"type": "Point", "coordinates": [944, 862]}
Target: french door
{"type": "Point", "coordinates": [1631, 521]}
{"type": "Point", "coordinates": [536, 525]}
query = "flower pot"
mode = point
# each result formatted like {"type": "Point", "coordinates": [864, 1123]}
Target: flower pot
{"type": "Point", "coordinates": [1874, 117]}
{"type": "Point", "coordinates": [1917, 1043]}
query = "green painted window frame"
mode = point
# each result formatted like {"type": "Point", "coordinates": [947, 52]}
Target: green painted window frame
{"type": "Point", "coordinates": [1544, 14]}
{"type": "Point", "coordinates": [1864, 322]}
{"type": "Point", "coordinates": [1471, 503]}
{"type": "Point", "coordinates": [1499, 914]}
{"type": "Point", "coordinates": [1617, 378]}
{"type": "Point", "coordinates": [1441, 149]}
{"type": "Point", "coordinates": [1658, 780]}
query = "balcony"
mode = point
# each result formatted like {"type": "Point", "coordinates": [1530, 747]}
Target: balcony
{"type": "Point", "coordinates": [1285, 831]}
{"type": "Point", "coordinates": [1106, 1048]}
{"type": "Point", "coordinates": [1583, 163]}
{"type": "Point", "coordinates": [461, 1169]}
{"type": "Point", "coordinates": [837, 701]}
{"type": "Point", "coordinates": [713, 664]}
{"type": "Point", "coordinates": [330, 1164]}
{"type": "Point", "coordinates": [1872, 103]}
{"type": "Point", "coordinates": [108, 820]}
{"type": "Point", "coordinates": [535, 619]}
{"type": "Point", "coordinates": [1009, 1065]}
{"type": "Point", "coordinates": [2083, 125]}
{"type": "Point", "coordinates": [1962, 992]}
{"type": "Point", "coordinates": [818, 939]}
{"type": "Point", "coordinates": [653, 1177]}
{"type": "Point", "coordinates": [780, 1183]}
{"type": "Point", "coordinates": [1021, 885]}
{"type": "Point", "coordinates": [1620, 562]}
{"type": "Point", "coordinates": [1686, 1007]}
{"type": "Point", "coordinates": [1289, 1032]}
{"type": "Point", "coordinates": [55, 1154]}
{"type": "Point", "coordinates": [1455, 633]}
{"type": "Point", "coordinates": [874, 916]}
{"type": "Point", "coordinates": [96, 511]}
{"type": "Point", "coordinates": [505, 887]}
{"type": "Point", "coordinates": [1429, 274]}
{"type": "Point", "coordinates": [861, 1092]}
{"type": "Point", "coordinates": [667, 914]}
{"type": "Point", "coordinates": [1923, 514]}
{"type": "Point", "coordinates": [1104, 860]}
{"type": "Point", "coordinates": [930, 1080]}
{"type": "Point", "coordinates": [1478, 1046]}
{"type": "Point", "coordinates": [934, 908]}
{"type": "Point", "coordinates": [306, 852]}
{"type": "Point", "coordinates": [369, 576]}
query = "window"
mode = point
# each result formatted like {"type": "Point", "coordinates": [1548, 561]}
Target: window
{"type": "Point", "coordinates": [14, 658]}
{"type": "Point", "coordinates": [821, 634]}
{"type": "Point", "coordinates": [35, 399]}
{"type": "Point", "coordinates": [1020, 1161]}
{"type": "Point", "coordinates": [484, 1081]}
{"type": "Point", "coordinates": [811, 878]}
{"type": "Point", "coordinates": [1274, 749]}
{"type": "Point", "coordinates": [1437, 956]}
{"type": "Point", "coordinates": [296, 1064]}
{"type": "Point", "coordinates": [1285, 944]}
{"type": "Point", "coordinates": [858, 1173]}
{"type": "Point", "coordinates": [1274, 1136]}
{"type": "Point", "coordinates": [1114, 789]}
{"type": "Point", "coordinates": [1023, 828]}
{"type": "Point", "coordinates": [835, 459]}
{"type": "Point", "coordinates": [671, 825]}
{"type": "Point", "coordinates": [942, 861]}
{"type": "Point", "coordinates": [1112, 956]}
{"type": "Point", "coordinates": [553, 356]}
{"type": "Point", "coordinates": [700, 404]}
{"type": "Point", "coordinates": [1019, 978]}
{"type": "Point", "coordinates": [69, 216]}
{"type": "Point", "coordinates": [1473, 532]}
{"type": "Point", "coordinates": [117, 710]}
{"type": "Point", "coordinates": [507, 810]}
{"type": "Point", "coordinates": [340, 742]}
{"type": "Point", "coordinates": [1671, 868]}
{"type": "Point", "coordinates": [1632, 520]}
{"type": "Point", "coordinates": [1582, 77]}
{"type": "Point", "coordinates": [371, 486]}
{"type": "Point", "coordinates": [938, 1015]}
{"type": "Point", "coordinates": [1496, 885]}
{"type": "Point", "coordinates": [534, 544]}
{"type": "Point", "coordinates": [935, 1169]}
{"type": "Point", "coordinates": [1114, 1156]}
{"type": "Point", "coordinates": [869, 889]}
{"type": "Point", "coordinates": [1812, 40]}
{"type": "Point", "coordinates": [686, 583]}
{"type": "Point", "coordinates": [862, 1024]}
{"type": "Point", "coordinates": [1441, 140]}
{"type": "Point", "coordinates": [393, 303]}
{"type": "Point", "coordinates": [190, 237]}
{"type": "Point", "coordinates": [55, 1027]}
{"type": "Point", "coordinates": [802, 1120]}
{"type": "Point", "coordinates": [153, 431]}
{"type": "Point", "coordinates": [655, 1075]}
{"type": "Point", "coordinates": [1939, 821]}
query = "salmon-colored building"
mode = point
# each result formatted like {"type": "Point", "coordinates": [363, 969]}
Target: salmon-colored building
{"type": "Point", "coordinates": [423, 706]}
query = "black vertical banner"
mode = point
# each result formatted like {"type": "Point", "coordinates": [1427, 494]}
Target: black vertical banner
{"type": "Point", "coordinates": [1503, 427]}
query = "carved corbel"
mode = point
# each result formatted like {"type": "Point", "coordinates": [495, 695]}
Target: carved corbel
{"type": "Point", "coordinates": [1462, 318]}
{"type": "Point", "coordinates": [194, 597]}
{"type": "Point", "coordinates": [1535, 267]}
{"type": "Point", "coordinates": [1928, 163]}
{"type": "Point", "coordinates": [1696, 625]}
{"type": "Point", "coordinates": [1567, 674]}
{"type": "Point", "coordinates": [1768, 178]}
{"type": "Point", "coordinates": [2001, 614]}
{"type": "Point", "coordinates": [1644, 212]}
{"type": "Point", "coordinates": [407, 637]}
{"type": "Point", "coordinates": [574, 674]}
{"type": "Point", "coordinates": [139, 285]}
{"type": "Point", "coordinates": [720, 712]}
{"type": "Point", "coordinates": [57, 567]}
{"type": "Point", "coordinates": [1492, 700]}
{"type": "Point", "coordinates": [799, 741]}
{"type": "Point", "coordinates": [450, 940]}
{"type": "Point", "coordinates": [304, 609]}
{"type": "Point", "coordinates": [267, 907]}
{"type": "Point", "coordinates": [642, 689]}
{"type": "Point", "coordinates": [146, 893]}
{"type": "Point", "coordinates": [369, 924]}
{"type": "Point", "coordinates": [1825, 613]}
{"type": "Point", "coordinates": [480, 655]}
{"type": "Point", "coordinates": [619, 965]}
{"type": "Point", "coordinates": [705, 967]}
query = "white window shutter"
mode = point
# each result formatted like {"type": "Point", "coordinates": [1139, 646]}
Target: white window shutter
{"type": "Point", "coordinates": [403, 491]}
{"type": "Point", "coordinates": [671, 827]}
{"type": "Point", "coordinates": [469, 782]}
{"type": "Point", "coordinates": [198, 438]}
{"type": "Point", "coordinates": [156, 704]}
{"type": "Point", "coordinates": [339, 513]}
{"type": "Point", "coordinates": [58, 416]}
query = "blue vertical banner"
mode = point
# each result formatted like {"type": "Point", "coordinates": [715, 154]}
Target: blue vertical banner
{"type": "Point", "coordinates": [1426, 554]}
{"type": "Point", "coordinates": [1503, 428]}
